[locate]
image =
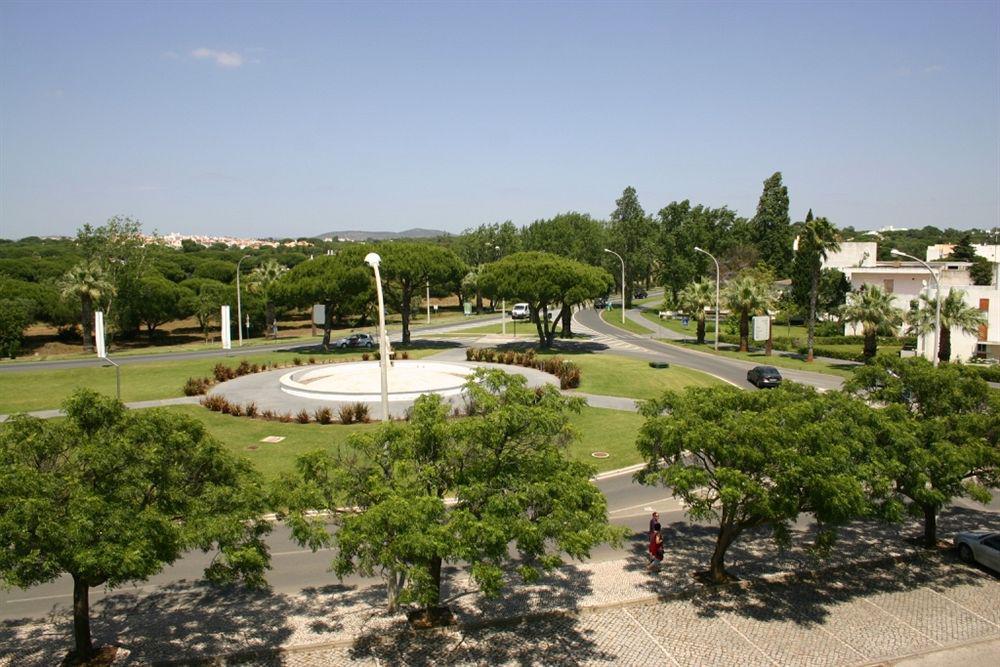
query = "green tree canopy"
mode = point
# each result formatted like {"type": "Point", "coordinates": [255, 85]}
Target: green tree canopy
{"type": "Point", "coordinates": [262, 281]}
{"type": "Point", "coordinates": [681, 228]}
{"type": "Point", "coordinates": [632, 235]}
{"type": "Point", "coordinates": [876, 312]}
{"type": "Point", "coordinates": [109, 496]}
{"type": "Point", "coordinates": [573, 235]}
{"type": "Point", "coordinates": [749, 459]}
{"type": "Point", "coordinates": [408, 266]}
{"type": "Point", "coordinates": [543, 280]}
{"type": "Point", "coordinates": [771, 226]}
{"type": "Point", "coordinates": [945, 440]}
{"type": "Point", "coordinates": [505, 467]}
{"type": "Point", "coordinates": [695, 298]}
{"type": "Point", "coordinates": [159, 301]}
{"type": "Point", "coordinates": [817, 238]}
{"type": "Point", "coordinates": [87, 282]}
{"type": "Point", "coordinates": [746, 295]}
{"type": "Point", "coordinates": [203, 299]}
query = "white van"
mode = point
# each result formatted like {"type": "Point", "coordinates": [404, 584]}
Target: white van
{"type": "Point", "coordinates": [520, 311]}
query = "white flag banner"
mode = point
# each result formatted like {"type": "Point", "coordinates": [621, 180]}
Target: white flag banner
{"type": "Point", "coordinates": [102, 351]}
{"type": "Point", "coordinates": [227, 340]}
{"type": "Point", "coordinates": [319, 314]}
{"type": "Point", "coordinates": [761, 327]}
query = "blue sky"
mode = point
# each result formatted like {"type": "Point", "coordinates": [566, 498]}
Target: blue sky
{"type": "Point", "coordinates": [280, 119]}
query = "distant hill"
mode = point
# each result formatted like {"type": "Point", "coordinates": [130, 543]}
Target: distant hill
{"type": "Point", "coordinates": [415, 233]}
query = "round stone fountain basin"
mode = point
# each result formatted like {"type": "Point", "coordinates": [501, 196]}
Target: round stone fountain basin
{"type": "Point", "coordinates": [361, 380]}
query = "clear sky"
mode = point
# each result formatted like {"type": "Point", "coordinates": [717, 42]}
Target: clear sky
{"type": "Point", "coordinates": [281, 119]}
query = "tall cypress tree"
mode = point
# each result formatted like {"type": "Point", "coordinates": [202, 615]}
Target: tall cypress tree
{"type": "Point", "coordinates": [632, 235]}
{"type": "Point", "coordinates": [771, 227]}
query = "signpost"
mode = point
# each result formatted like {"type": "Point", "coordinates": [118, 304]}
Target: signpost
{"type": "Point", "coordinates": [227, 341]}
{"type": "Point", "coordinates": [761, 327]}
{"type": "Point", "coordinates": [102, 351]}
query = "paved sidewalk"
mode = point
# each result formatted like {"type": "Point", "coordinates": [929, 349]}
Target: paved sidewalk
{"type": "Point", "coordinates": [158, 403]}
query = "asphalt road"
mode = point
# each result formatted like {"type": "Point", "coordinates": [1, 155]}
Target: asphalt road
{"type": "Point", "coordinates": [295, 568]}
{"type": "Point", "coordinates": [730, 370]}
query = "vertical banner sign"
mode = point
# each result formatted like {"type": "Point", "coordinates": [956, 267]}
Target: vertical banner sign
{"type": "Point", "coordinates": [227, 341]}
{"type": "Point", "coordinates": [761, 327]}
{"type": "Point", "coordinates": [102, 351]}
{"type": "Point", "coordinates": [319, 314]}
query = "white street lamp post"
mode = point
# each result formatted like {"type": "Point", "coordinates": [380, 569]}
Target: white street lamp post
{"type": "Point", "coordinates": [428, 302]}
{"type": "Point", "coordinates": [372, 259]}
{"type": "Point", "coordinates": [239, 306]}
{"type": "Point", "coordinates": [697, 249]}
{"type": "Point", "coordinates": [623, 280]}
{"type": "Point", "coordinates": [937, 299]}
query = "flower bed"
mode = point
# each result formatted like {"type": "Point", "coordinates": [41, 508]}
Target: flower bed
{"type": "Point", "coordinates": [567, 372]}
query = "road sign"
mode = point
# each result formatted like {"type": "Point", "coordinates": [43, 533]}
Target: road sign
{"type": "Point", "coordinates": [102, 350]}
{"type": "Point", "coordinates": [227, 341]}
{"type": "Point", "coordinates": [319, 314]}
{"type": "Point", "coordinates": [761, 327]}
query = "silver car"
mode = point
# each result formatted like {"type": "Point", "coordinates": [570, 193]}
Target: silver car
{"type": "Point", "coordinates": [980, 547]}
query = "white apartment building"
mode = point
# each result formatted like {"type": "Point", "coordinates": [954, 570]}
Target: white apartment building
{"type": "Point", "coordinates": [907, 280]}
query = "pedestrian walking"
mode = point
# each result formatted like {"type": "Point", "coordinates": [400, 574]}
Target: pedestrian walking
{"type": "Point", "coordinates": [655, 551]}
{"type": "Point", "coordinates": [654, 523]}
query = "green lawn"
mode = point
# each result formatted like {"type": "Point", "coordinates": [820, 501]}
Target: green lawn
{"type": "Point", "coordinates": [845, 369]}
{"type": "Point", "coordinates": [26, 390]}
{"type": "Point", "coordinates": [614, 318]}
{"type": "Point", "coordinates": [522, 329]}
{"type": "Point", "coordinates": [614, 375]}
{"type": "Point", "coordinates": [599, 430]}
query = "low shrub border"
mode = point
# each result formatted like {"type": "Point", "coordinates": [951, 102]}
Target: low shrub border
{"type": "Point", "coordinates": [567, 372]}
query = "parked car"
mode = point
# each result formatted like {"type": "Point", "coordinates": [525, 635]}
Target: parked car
{"type": "Point", "coordinates": [520, 311]}
{"type": "Point", "coordinates": [764, 376]}
{"type": "Point", "coordinates": [640, 294]}
{"type": "Point", "coordinates": [980, 547]}
{"type": "Point", "coordinates": [355, 340]}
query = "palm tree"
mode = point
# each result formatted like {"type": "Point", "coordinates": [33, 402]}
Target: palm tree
{"type": "Point", "coordinates": [87, 282]}
{"type": "Point", "coordinates": [954, 313]}
{"type": "Point", "coordinates": [747, 295]}
{"type": "Point", "coordinates": [695, 298]}
{"type": "Point", "coordinates": [818, 237]}
{"type": "Point", "coordinates": [262, 279]}
{"type": "Point", "coordinates": [874, 310]}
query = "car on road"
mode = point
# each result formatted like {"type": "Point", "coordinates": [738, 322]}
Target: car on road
{"type": "Point", "coordinates": [601, 302]}
{"type": "Point", "coordinates": [520, 311]}
{"type": "Point", "coordinates": [764, 376]}
{"type": "Point", "coordinates": [355, 340]}
{"type": "Point", "coordinates": [640, 294]}
{"type": "Point", "coordinates": [980, 547]}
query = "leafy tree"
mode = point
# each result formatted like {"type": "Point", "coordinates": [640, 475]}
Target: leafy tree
{"type": "Point", "coordinates": [109, 496]}
{"type": "Point", "coordinates": [159, 302]}
{"type": "Point", "coordinates": [486, 243]}
{"type": "Point", "coordinates": [748, 295]}
{"type": "Point", "coordinates": [203, 300]}
{"type": "Point", "coordinates": [681, 228]}
{"type": "Point", "coordinates": [262, 281]}
{"type": "Point", "coordinates": [955, 314]}
{"type": "Point", "coordinates": [772, 231]}
{"type": "Point", "coordinates": [981, 271]}
{"type": "Point", "coordinates": [876, 312]}
{"type": "Point", "coordinates": [15, 316]}
{"type": "Point", "coordinates": [751, 459]}
{"type": "Point", "coordinates": [505, 468]}
{"type": "Point", "coordinates": [341, 282]}
{"type": "Point", "coordinates": [120, 250]}
{"type": "Point", "coordinates": [409, 266]}
{"type": "Point", "coordinates": [632, 235]}
{"type": "Point", "coordinates": [833, 290]}
{"type": "Point", "coordinates": [817, 237]}
{"type": "Point", "coordinates": [573, 235]}
{"type": "Point", "coordinates": [963, 250]}
{"type": "Point", "coordinates": [695, 298]}
{"type": "Point", "coordinates": [945, 440]}
{"type": "Point", "coordinates": [543, 280]}
{"type": "Point", "coordinates": [87, 282]}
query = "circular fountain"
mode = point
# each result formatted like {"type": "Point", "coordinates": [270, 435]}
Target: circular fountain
{"type": "Point", "coordinates": [361, 381]}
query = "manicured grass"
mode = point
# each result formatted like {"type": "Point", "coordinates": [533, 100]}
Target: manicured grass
{"type": "Point", "coordinates": [614, 318]}
{"type": "Point", "coordinates": [523, 329]}
{"type": "Point", "coordinates": [613, 375]}
{"type": "Point", "coordinates": [599, 430]}
{"type": "Point", "coordinates": [845, 369]}
{"type": "Point", "coordinates": [676, 325]}
{"type": "Point", "coordinates": [26, 390]}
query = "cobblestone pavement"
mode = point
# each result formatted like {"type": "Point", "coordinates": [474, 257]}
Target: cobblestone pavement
{"type": "Point", "coordinates": [611, 612]}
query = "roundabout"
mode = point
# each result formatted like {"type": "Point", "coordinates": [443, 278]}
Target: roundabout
{"type": "Point", "coordinates": [360, 381]}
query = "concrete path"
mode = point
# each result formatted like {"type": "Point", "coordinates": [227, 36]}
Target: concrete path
{"type": "Point", "coordinates": [158, 403]}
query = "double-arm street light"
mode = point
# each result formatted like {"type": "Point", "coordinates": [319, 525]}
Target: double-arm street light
{"type": "Point", "coordinates": [372, 259]}
{"type": "Point", "coordinates": [239, 303]}
{"type": "Point", "coordinates": [623, 280]}
{"type": "Point", "coordinates": [937, 299]}
{"type": "Point", "coordinates": [697, 249]}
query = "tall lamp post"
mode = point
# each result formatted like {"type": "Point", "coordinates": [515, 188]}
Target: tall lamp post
{"type": "Point", "coordinates": [623, 280]}
{"type": "Point", "coordinates": [372, 259]}
{"type": "Point", "coordinates": [937, 299]}
{"type": "Point", "coordinates": [239, 305]}
{"type": "Point", "coordinates": [697, 249]}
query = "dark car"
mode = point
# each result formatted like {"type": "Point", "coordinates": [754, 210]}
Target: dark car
{"type": "Point", "coordinates": [601, 302]}
{"type": "Point", "coordinates": [640, 294]}
{"type": "Point", "coordinates": [355, 340]}
{"type": "Point", "coordinates": [764, 376]}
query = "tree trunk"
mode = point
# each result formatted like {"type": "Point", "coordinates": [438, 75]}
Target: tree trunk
{"type": "Point", "coordinates": [567, 318]}
{"type": "Point", "coordinates": [930, 526]}
{"type": "Point", "coordinates": [404, 312]}
{"type": "Point", "coordinates": [87, 322]}
{"type": "Point", "coordinates": [150, 330]}
{"type": "Point", "coordinates": [269, 315]}
{"type": "Point", "coordinates": [744, 332]}
{"type": "Point", "coordinates": [871, 345]}
{"type": "Point", "coordinates": [327, 324]}
{"type": "Point", "coordinates": [434, 569]}
{"type": "Point", "coordinates": [479, 301]}
{"type": "Point", "coordinates": [944, 346]}
{"type": "Point", "coordinates": [813, 295]}
{"type": "Point", "coordinates": [717, 567]}
{"type": "Point", "coordinates": [701, 330]}
{"type": "Point", "coordinates": [84, 646]}
{"type": "Point", "coordinates": [393, 586]}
